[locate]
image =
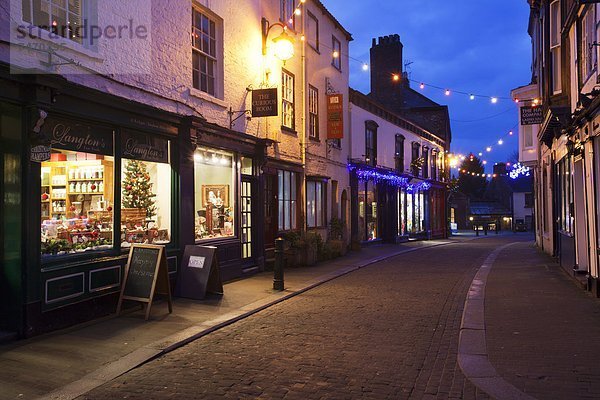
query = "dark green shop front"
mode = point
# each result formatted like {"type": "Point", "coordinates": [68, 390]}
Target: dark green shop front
{"type": "Point", "coordinates": [118, 173]}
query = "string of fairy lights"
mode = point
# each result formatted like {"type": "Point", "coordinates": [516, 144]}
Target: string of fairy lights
{"type": "Point", "coordinates": [454, 160]}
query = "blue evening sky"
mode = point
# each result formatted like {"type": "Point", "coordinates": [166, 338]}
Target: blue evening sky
{"type": "Point", "coordinates": [474, 46]}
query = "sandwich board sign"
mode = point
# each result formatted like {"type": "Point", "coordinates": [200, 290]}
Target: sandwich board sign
{"type": "Point", "coordinates": [146, 274]}
{"type": "Point", "coordinates": [199, 273]}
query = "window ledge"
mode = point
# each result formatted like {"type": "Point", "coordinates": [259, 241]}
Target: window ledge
{"type": "Point", "coordinates": [288, 131]}
{"type": "Point", "coordinates": [314, 139]}
{"type": "Point", "coordinates": [207, 97]}
{"type": "Point", "coordinates": [61, 42]}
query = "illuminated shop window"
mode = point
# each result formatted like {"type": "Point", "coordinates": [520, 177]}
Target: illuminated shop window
{"type": "Point", "coordinates": [214, 188]}
{"type": "Point", "coordinates": [76, 203]}
{"type": "Point", "coordinates": [145, 202]}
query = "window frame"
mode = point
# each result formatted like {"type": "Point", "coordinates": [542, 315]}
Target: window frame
{"type": "Point", "coordinates": [415, 154]}
{"type": "Point", "coordinates": [83, 15]}
{"type": "Point", "coordinates": [336, 45]}
{"type": "Point", "coordinates": [287, 10]}
{"type": "Point", "coordinates": [292, 199]}
{"type": "Point", "coordinates": [555, 46]}
{"type": "Point", "coordinates": [320, 204]}
{"type": "Point", "coordinates": [399, 141]}
{"type": "Point", "coordinates": [313, 113]}
{"type": "Point", "coordinates": [371, 143]}
{"type": "Point", "coordinates": [425, 169]}
{"type": "Point", "coordinates": [587, 54]}
{"type": "Point", "coordinates": [311, 16]}
{"type": "Point", "coordinates": [216, 59]}
{"type": "Point", "coordinates": [285, 102]}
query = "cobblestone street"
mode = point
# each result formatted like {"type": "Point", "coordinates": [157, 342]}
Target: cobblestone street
{"type": "Point", "coordinates": [391, 331]}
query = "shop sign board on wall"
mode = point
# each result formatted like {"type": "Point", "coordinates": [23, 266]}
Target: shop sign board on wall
{"type": "Point", "coordinates": [142, 147]}
{"type": "Point", "coordinates": [199, 273]}
{"type": "Point", "coordinates": [78, 136]}
{"type": "Point", "coordinates": [146, 274]}
{"type": "Point", "coordinates": [264, 103]}
{"type": "Point", "coordinates": [531, 115]}
{"type": "Point", "coordinates": [335, 116]}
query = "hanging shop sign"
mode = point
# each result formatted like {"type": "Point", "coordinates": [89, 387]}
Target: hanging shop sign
{"type": "Point", "coordinates": [142, 147]}
{"type": "Point", "coordinates": [40, 142]}
{"type": "Point", "coordinates": [77, 136]}
{"type": "Point", "coordinates": [335, 116]}
{"type": "Point", "coordinates": [264, 103]}
{"type": "Point", "coordinates": [200, 273]}
{"type": "Point", "coordinates": [146, 274]}
{"type": "Point", "coordinates": [531, 115]}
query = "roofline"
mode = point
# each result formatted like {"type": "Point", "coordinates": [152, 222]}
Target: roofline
{"type": "Point", "coordinates": [334, 19]}
{"type": "Point", "coordinates": [354, 92]}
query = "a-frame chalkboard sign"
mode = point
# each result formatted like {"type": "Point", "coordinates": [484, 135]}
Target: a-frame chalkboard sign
{"type": "Point", "coordinates": [199, 273]}
{"type": "Point", "coordinates": [146, 274]}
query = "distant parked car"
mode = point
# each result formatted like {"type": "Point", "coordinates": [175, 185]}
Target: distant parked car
{"type": "Point", "coordinates": [520, 226]}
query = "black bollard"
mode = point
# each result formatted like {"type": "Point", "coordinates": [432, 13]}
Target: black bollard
{"type": "Point", "coordinates": [278, 269]}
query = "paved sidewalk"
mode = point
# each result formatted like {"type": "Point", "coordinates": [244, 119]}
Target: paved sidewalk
{"type": "Point", "coordinates": [542, 329]}
{"type": "Point", "coordinates": [65, 364]}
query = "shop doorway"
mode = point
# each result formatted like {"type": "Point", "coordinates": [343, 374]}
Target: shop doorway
{"type": "Point", "coordinates": [248, 223]}
{"type": "Point", "coordinates": [581, 238]}
{"type": "Point", "coordinates": [271, 210]}
{"type": "Point", "coordinates": [11, 285]}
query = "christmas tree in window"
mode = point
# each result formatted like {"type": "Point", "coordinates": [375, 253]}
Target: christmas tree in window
{"type": "Point", "coordinates": [137, 188]}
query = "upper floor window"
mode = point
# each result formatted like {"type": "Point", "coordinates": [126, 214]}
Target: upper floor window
{"type": "Point", "coordinates": [61, 17]}
{"type": "Point", "coordinates": [204, 52]}
{"type": "Point", "coordinates": [425, 167]}
{"type": "Point", "coordinates": [313, 112]}
{"type": "Point", "coordinates": [416, 147]}
{"type": "Point", "coordinates": [587, 51]}
{"type": "Point", "coordinates": [286, 13]}
{"type": "Point", "coordinates": [555, 28]}
{"type": "Point", "coordinates": [287, 100]}
{"type": "Point", "coordinates": [336, 53]}
{"type": "Point", "coordinates": [399, 153]}
{"type": "Point", "coordinates": [371, 143]}
{"type": "Point", "coordinates": [312, 31]}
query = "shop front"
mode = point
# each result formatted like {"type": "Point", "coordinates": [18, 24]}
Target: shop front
{"type": "Point", "coordinates": [387, 206]}
{"type": "Point", "coordinates": [227, 197]}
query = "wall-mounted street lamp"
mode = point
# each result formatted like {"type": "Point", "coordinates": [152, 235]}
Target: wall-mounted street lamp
{"type": "Point", "coordinates": [283, 44]}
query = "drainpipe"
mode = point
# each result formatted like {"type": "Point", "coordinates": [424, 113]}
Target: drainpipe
{"type": "Point", "coordinates": [304, 133]}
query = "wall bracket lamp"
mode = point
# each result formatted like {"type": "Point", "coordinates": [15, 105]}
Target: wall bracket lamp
{"type": "Point", "coordinates": [284, 43]}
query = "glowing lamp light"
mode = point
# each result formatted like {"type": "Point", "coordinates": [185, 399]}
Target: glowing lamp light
{"type": "Point", "coordinates": [500, 141]}
{"type": "Point", "coordinates": [284, 46]}
{"type": "Point", "coordinates": [519, 170]}
{"type": "Point", "coordinates": [488, 149]}
{"type": "Point", "coordinates": [297, 12]}
{"type": "Point", "coordinates": [422, 86]}
{"type": "Point", "coordinates": [510, 133]}
{"type": "Point", "coordinates": [471, 97]}
{"type": "Point", "coordinates": [395, 77]}
{"type": "Point", "coordinates": [365, 67]}
{"type": "Point", "coordinates": [494, 100]}
{"type": "Point", "coordinates": [480, 154]}
{"type": "Point", "coordinates": [336, 54]}
{"type": "Point", "coordinates": [484, 162]}
{"type": "Point", "coordinates": [198, 157]}
{"type": "Point", "coordinates": [447, 92]}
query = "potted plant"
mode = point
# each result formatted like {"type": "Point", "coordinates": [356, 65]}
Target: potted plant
{"type": "Point", "coordinates": [336, 242]}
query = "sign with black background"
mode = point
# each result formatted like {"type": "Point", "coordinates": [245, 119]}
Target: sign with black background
{"type": "Point", "coordinates": [77, 136]}
{"type": "Point", "coordinates": [531, 115]}
{"type": "Point", "coordinates": [142, 147]}
{"type": "Point", "coordinates": [199, 273]}
{"type": "Point", "coordinates": [141, 272]}
{"type": "Point", "coordinates": [264, 103]}
{"type": "Point", "coordinates": [146, 274]}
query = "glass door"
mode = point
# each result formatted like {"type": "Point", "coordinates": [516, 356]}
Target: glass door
{"type": "Point", "coordinates": [246, 226]}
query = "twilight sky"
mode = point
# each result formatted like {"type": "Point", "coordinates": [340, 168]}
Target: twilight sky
{"type": "Point", "coordinates": [473, 46]}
